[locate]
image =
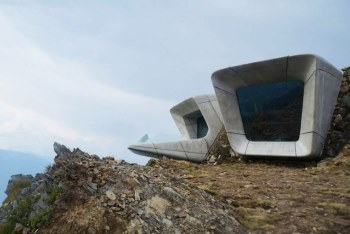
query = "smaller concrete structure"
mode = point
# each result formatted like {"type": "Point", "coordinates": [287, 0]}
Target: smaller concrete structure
{"type": "Point", "coordinates": [280, 107]}
{"type": "Point", "coordinates": [199, 120]}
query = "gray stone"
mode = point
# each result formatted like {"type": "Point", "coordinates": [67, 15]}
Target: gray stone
{"type": "Point", "coordinates": [171, 192]}
{"type": "Point", "coordinates": [111, 195]}
{"type": "Point", "coordinates": [17, 178]}
{"type": "Point", "coordinates": [26, 230]}
{"type": "Point", "coordinates": [92, 230]}
{"type": "Point", "coordinates": [62, 151]}
{"type": "Point", "coordinates": [338, 119]}
{"type": "Point", "coordinates": [345, 101]}
{"type": "Point", "coordinates": [157, 205]}
{"type": "Point", "coordinates": [212, 159]}
{"type": "Point", "coordinates": [137, 195]}
{"type": "Point", "coordinates": [91, 187]}
{"type": "Point", "coordinates": [344, 88]}
{"type": "Point", "coordinates": [168, 223]}
{"type": "Point", "coordinates": [18, 227]}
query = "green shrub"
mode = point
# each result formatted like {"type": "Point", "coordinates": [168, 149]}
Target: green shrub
{"type": "Point", "coordinates": [48, 168]}
{"type": "Point", "coordinates": [21, 213]}
{"type": "Point", "coordinates": [53, 192]}
{"type": "Point", "coordinates": [40, 217]}
{"type": "Point", "coordinates": [7, 228]}
{"type": "Point", "coordinates": [15, 190]}
{"type": "Point", "coordinates": [151, 162]}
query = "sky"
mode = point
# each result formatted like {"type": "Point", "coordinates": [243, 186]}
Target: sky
{"type": "Point", "coordinates": [99, 75]}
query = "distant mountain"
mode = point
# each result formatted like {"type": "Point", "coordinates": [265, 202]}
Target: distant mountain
{"type": "Point", "coordinates": [14, 162]}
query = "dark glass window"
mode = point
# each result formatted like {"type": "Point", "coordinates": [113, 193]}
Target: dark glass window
{"type": "Point", "coordinates": [272, 112]}
{"type": "Point", "coordinates": [202, 127]}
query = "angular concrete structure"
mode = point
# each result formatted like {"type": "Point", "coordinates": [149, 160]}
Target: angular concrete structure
{"type": "Point", "coordinates": [199, 120]}
{"type": "Point", "coordinates": [280, 107]}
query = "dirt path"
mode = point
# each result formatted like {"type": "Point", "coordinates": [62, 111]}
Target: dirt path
{"type": "Point", "coordinates": [278, 197]}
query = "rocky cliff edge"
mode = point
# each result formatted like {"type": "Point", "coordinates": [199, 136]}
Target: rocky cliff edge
{"type": "Point", "coordinates": [81, 193]}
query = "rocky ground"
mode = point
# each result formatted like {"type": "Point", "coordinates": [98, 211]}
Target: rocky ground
{"type": "Point", "coordinates": [82, 193]}
{"type": "Point", "coordinates": [277, 197]}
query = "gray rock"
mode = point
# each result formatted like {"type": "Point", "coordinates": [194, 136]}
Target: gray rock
{"type": "Point", "coordinates": [26, 230]}
{"type": "Point", "coordinates": [91, 187]}
{"type": "Point", "coordinates": [18, 227]}
{"type": "Point", "coordinates": [212, 159]}
{"type": "Point", "coordinates": [171, 192]}
{"type": "Point", "coordinates": [137, 195]}
{"type": "Point", "coordinates": [62, 151]}
{"type": "Point", "coordinates": [92, 230]}
{"type": "Point", "coordinates": [338, 119]}
{"type": "Point", "coordinates": [345, 101]}
{"type": "Point", "coordinates": [110, 195]}
{"type": "Point", "coordinates": [17, 178]}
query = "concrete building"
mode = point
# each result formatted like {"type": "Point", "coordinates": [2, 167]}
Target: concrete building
{"type": "Point", "coordinates": [280, 107]}
{"type": "Point", "coordinates": [199, 121]}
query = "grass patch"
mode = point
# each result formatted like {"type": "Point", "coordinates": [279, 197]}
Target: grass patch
{"type": "Point", "coordinates": [264, 204]}
{"type": "Point", "coordinates": [335, 207]}
{"type": "Point", "coordinates": [41, 217]}
{"type": "Point", "coordinates": [48, 168]}
{"type": "Point", "coordinates": [25, 209]}
{"type": "Point", "coordinates": [209, 189]}
{"type": "Point", "coordinates": [151, 162]}
{"type": "Point", "coordinates": [257, 219]}
{"type": "Point", "coordinates": [21, 212]}
{"type": "Point", "coordinates": [53, 192]}
{"type": "Point", "coordinates": [15, 190]}
{"type": "Point", "coordinates": [7, 228]}
{"type": "Point", "coordinates": [296, 197]}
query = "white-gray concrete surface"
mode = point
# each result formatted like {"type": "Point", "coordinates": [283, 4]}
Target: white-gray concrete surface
{"type": "Point", "coordinates": [186, 115]}
{"type": "Point", "coordinates": [321, 86]}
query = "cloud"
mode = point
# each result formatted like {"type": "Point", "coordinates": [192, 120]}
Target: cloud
{"type": "Point", "coordinates": [101, 75]}
{"type": "Point", "coordinates": [46, 98]}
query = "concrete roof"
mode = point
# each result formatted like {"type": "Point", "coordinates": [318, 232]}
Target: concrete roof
{"type": "Point", "coordinates": [185, 115]}
{"type": "Point", "coordinates": [321, 86]}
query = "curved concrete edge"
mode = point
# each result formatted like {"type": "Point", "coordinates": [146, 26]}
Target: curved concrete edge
{"type": "Point", "coordinates": [143, 151]}
{"type": "Point", "coordinates": [321, 87]}
{"type": "Point", "coordinates": [185, 115]}
{"type": "Point", "coordinates": [309, 145]}
{"type": "Point", "coordinates": [191, 150]}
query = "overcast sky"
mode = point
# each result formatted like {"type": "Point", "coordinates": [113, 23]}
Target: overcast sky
{"type": "Point", "coordinates": [100, 74]}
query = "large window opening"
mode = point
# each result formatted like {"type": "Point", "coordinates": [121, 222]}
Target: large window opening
{"type": "Point", "coordinates": [272, 112]}
{"type": "Point", "coordinates": [196, 125]}
{"type": "Point", "coordinates": [202, 127]}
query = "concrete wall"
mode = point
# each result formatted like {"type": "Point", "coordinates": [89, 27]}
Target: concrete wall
{"type": "Point", "coordinates": [322, 82]}
{"type": "Point", "coordinates": [185, 115]}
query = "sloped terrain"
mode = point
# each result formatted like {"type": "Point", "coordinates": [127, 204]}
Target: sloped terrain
{"type": "Point", "coordinates": [81, 193]}
{"type": "Point", "coordinates": [277, 197]}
